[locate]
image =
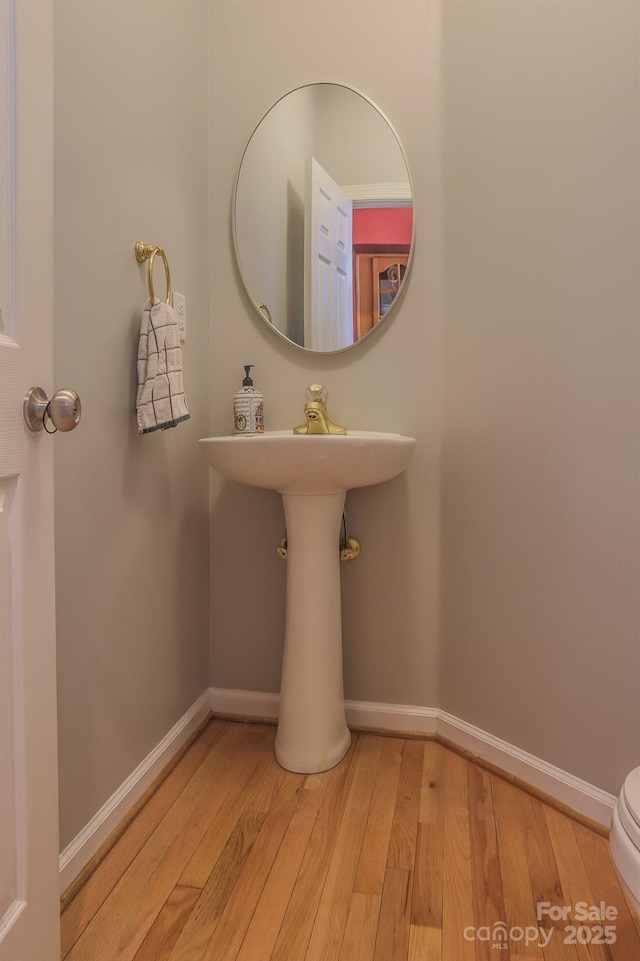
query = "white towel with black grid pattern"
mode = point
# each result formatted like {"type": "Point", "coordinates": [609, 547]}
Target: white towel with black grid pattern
{"type": "Point", "coordinates": [160, 402]}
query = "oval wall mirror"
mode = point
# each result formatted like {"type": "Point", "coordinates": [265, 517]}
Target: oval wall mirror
{"type": "Point", "coordinates": [323, 217]}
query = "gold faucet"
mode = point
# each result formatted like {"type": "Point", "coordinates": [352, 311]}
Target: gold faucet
{"type": "Point", "coordinates": [315, 412]}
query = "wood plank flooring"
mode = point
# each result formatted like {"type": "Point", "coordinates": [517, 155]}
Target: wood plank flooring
{"type": "Point", "coordinates": [403, 852]}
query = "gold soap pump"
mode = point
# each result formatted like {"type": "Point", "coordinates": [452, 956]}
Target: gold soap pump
{"type": "Point", "coordinates": [315, 412]}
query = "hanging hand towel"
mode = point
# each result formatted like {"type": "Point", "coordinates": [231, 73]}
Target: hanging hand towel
{"type": "Point", "coordinates": [161, 402]}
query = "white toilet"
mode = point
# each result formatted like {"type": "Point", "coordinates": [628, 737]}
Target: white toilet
{"type": "Point", "coordinates": [624, 838]}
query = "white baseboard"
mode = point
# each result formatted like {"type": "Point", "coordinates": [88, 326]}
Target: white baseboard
{"type": "Point", "coordinates": [385, 717]}
{"type": "Point", "coordinates": [579, 795]}
{"type": "Point", "coordinates": [402, 718]}
{"type": "Point", "coordinates": [259, 704]}
{"type": "Point", "coordinates": [80, 851]}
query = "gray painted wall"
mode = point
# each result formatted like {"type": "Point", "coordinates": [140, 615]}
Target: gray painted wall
{"type": "Point", "coordinates": [393, 382]}
{"type": "Point", "coordinates": [131, 510]}
{"type": "Point", "coordinates": [538, 574]}
{"type": "Point", "coordinates": [536, 366]}
{"type": "Point", "coordinates": [540, 640]}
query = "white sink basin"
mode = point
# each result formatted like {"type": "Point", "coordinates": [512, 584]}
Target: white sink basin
{"type": "Point", "coordinates": [313, 473]}
{"type": "Point", "coordinates": [309, 463]}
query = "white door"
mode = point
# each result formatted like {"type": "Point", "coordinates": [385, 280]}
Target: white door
{"type": "Point", "coordinates": [29, 876]}
{"type": "Point", "coordinates": [328, 287]}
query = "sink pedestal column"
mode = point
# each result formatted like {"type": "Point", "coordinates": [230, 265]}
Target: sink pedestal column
{"type": "Point", "coordinates": [312, 731]}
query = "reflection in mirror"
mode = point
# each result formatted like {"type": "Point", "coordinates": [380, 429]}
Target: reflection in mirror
{"type": "Point", "coordinates": [323, 217]}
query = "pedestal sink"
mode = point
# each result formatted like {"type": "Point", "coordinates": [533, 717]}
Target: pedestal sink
{"type": "Point", "coordinates": [313, 473]}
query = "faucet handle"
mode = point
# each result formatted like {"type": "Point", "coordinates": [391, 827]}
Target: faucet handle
{"type": "Point", "coordinates": [317, 393]}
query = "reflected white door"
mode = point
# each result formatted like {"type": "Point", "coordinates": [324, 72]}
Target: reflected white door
{"type": "Point", "coordinates": [328, 286]}
{"type": "Point", "coordinates": [29, 875]}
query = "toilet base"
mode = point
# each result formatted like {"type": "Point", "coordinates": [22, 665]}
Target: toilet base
{"type": "Point", "coordinates": [626, 860]}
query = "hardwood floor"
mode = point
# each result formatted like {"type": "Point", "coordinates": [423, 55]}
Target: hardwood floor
{"type": "Point", "coordinates": [403, 852]}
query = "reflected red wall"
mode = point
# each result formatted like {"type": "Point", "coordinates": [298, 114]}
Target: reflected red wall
{"type": "Point", "coordinates": [382, 225]}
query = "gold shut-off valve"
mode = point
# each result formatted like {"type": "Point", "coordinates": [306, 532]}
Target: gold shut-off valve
{"type": "Point", "coordinates": [349, 547]}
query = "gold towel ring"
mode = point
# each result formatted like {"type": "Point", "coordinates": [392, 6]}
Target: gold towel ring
{"type": "Point", "coordinates": [148, 252]}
